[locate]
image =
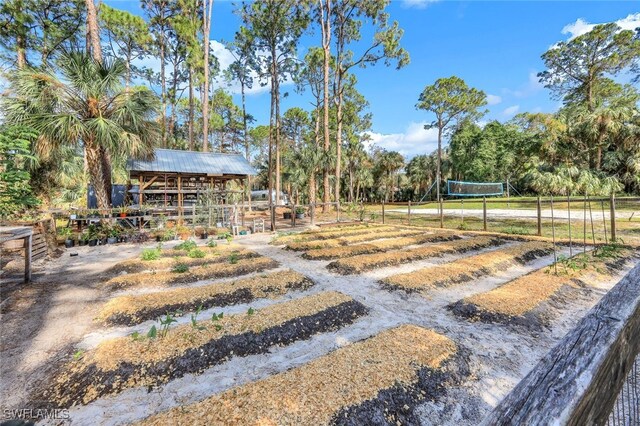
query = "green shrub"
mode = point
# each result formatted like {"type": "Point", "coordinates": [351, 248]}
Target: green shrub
{"type": "Point", "coordinates": [233, 258]}
{"type": "Point", "coordinates": [212, 243]}
{"type": "Point", "coordinates": [186, 245]}
{"type": "Point", "coordinates": [196, 254]}
{"type": "Point", "coordinates": [151, 254]}
{"type": "Point", "coordinates": [180, 268]}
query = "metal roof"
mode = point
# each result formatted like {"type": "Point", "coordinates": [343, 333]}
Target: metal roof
{"type": "Point", "coordinates": [176, 161]}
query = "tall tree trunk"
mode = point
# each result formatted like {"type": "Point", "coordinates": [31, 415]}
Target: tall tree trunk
{"type": "Point", "coordinates": [338, 140]}
{"type": "Point", "coordinates": [351, 184]}
{"type": "Point", "coordinates": [270, 157]}
{"type": "Point", "coordinates": [312, 172]}
{"type": "Point", "coordinates": [245, 135]}
{"type": "Point", "coordinates": [325, 24]}
{"type": "Point", "coordinates": [439, 162]}
{"type": "Point", "coordinates": [97, 171]}
{"type": "Point", "coordinates": [94, 30]}
{"type": "Point", "coordinates": [21, 51]}
{"type": "Point", "coordinates": [191, 118]}
{"type": "Point", "coordinates": [275, 89]}
{"type": "Point", "coordinates": [163, 88]}
{"type": "Point", "coordinates": [208, 9]}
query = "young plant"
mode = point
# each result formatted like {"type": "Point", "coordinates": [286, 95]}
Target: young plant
{"type": "Point", "coordinates": [186, 245]}
{"type": "Point", "coordinates": [251, 311]}
{"type": "Point", "coordinates": [194, 319]}
{"type": "Point", "coordinates": [165, 323]}
{"type": "Point", "coordinates": [196, 254]}
{"type": "Point", "coordinates": [212, 243]}
{"type": "Point", "coordinates": [180, 268]}
{"type": "Point", "coordinates": [153, 332]}
{"type": "Point", "coordinates": [216, 317]}
{"type": "Point", "coordinates": [151, 254]}
{"type": "Point", "coordinates": [135, 336]}
{"type": "Point", "coordinates": [233, 258]}
{"type": "Point", "coordinates": [78, 355]}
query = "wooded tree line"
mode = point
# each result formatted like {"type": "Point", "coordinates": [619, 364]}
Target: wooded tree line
{"type": "Point", "coordinates": [85, 132]}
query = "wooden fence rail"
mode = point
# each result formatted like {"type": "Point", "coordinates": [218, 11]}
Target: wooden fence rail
{"type": "Point", "coordinates": [578, 381]}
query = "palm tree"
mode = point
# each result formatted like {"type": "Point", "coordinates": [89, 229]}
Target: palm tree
{"type": "Point", "coordinates": [388, 165]}
{"type": "Point", "coordinates": [83, 103]}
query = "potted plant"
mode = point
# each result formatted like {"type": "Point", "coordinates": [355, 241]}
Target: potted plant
{"type": "Point", "coordinates": [300, 212]}
{"type": "Point", "coordinates": [183, 232]}
{"type": "Point", "coordinates": [123, 211]}
{"type": "Point", "coordinates": [67, 233]}
{"type": "Point", "coordinates": [286, 215]}
{"type": "Point", "coordinates": [113, 234]}
{"type": "Point", "coordinates": [91, 235]}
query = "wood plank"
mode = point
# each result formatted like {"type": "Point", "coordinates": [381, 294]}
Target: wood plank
{"type": "Point", "coordinates": [578, 381]}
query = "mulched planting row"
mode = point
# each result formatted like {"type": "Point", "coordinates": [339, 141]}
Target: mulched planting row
{"type": "Point", "coordinates": [518, 301]}
{"type": "Point", "coordinates": [205, 272]}
{"type": "Point", "coordinates": [327, 233]}
{"type": "Point", "coordinates": [343, 241]}
{"type": "Point", "coordinates": [376, 247]}
{"type": "Point", "coordinates": [366, 262]}
{"type": "Point", "coordinates": [464, 270]}
{"type": "Point", "coordinates": [213, 255]}
{"type": "Point", "coordinates": [352, 385]}
{"type": "Point", "coordinates": [125, 362]}
{"type": "Point", "coordinates": [131, 310]}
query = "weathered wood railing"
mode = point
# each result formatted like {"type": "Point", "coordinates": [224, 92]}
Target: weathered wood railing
{"type": "Point", "coordinates": [578, 381]}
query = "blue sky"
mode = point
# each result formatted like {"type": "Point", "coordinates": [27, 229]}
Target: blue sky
{"type": "Point", "coordinates": [494, 46]}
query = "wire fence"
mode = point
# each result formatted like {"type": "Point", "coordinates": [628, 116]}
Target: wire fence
{"type": "Point", "coordinates": [626, 410]}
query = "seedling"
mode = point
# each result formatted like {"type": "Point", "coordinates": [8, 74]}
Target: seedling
{"type": "Point", "coordinates": [218, 327]}
{"type": "Point", "coordinates": [233, 258]}
{"type": "Point", "coordinates": [166, 323]}
{"type": "Point", "coordinates": [194, 319]}
{"type": "Point", "coordinates": [135, 336]}
{"type": "Point", "coordinates": [212, 244]}
{"type": "Point", "coordinates": [78, 355]}
{"type": "Point", "coordinates": [180, 268]}
{"type": "Point", "coordinates": [153, 332]}
{"type": "Point", "coordinates": [215, 317]}
{"type": "Point", "coordinates": [251, 311]}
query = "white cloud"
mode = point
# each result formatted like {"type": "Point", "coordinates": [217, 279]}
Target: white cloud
{"type": "Point", "coordinates": [413, 141]}
{"type": "Point", "coordinates": [511, 111]}
{"type": "Point", "coordinates": [493, 99]}
{"type": "Point", "coordinates": [417, 4]}
{"type": "Point", "coordinates": [580, 27]}
{"type": "Point", "coordinates": [531, 87]}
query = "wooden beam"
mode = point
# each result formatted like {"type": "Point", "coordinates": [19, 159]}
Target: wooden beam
{"type": "Point", "coordinates": [146, 185]}
{"type": "Point", "coordinates": [578, 381]}
{"type": "Point", "coordinates": [27, 258]}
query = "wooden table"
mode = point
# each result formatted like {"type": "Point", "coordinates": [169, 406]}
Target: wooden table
{"type": "Point", "coordinates": [10, 233]}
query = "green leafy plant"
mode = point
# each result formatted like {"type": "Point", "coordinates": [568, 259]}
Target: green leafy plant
{"type": "Point", "coordinates": [78, 355]}
{"type": "Point", "coordinates": [135, 336]}
{"type": "Point", "coordinates": [186, 245]}
{"type": "Point", "coordinates": [212, 243]}
{"type": "Point", "coordinates": [153, 332]}
{"type": "Point", "coordinates": [196, 254]}
{"type": "Point", "coordinates": [233, 258]}
{"type": "Point", "coordinates": [165, 323]}
{"type": "Point", "coordinates": [608, 251]}
{"type": "Point", "coordinates": [180, 268]}
{"type": "Point", "coordinates": [151, 254]}
{"type": "Point", "coordinates": [194, 319]}
{"type": "Point", "coordinates": [251, 311]}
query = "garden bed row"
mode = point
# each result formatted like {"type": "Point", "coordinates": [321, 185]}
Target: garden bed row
{"type": "Point", "coordinates": [326, 233]}
{"type": "Point", "coordinates": [211, 271]}
{"type": "Point", "coordinates": [376, 247]}
{"type": "Point", "coordinates": [351, 239]}
{"type": "Point", "coordinates": [131, 310]}
{"type": "Point", "coordinates": [150, 361]}
{"type": "Point", "coordinates": [379, 380]}
{"type": "Point", "coordinates": [468, 268]}
{"type": "Point", "coordinates": [520, 301]}
{"type": "Point", "coordinates": [168, 259]}
{"type": "Point", "coordinates": [366, 262]}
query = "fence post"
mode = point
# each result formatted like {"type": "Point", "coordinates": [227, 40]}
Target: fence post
{"type": "Point", "coordinates": [612, 206]}
{"type": "Point", "coordinates": [409, 213]}
{"type": "Point", "coordinates": [383, 211]}
{"type": "Point", "coordinates": [441, 214]}
{"type": "Point", "coordinates": [539, 216]}
{"type": "Point", "coordinates": [338, 211]}
{"type": "Point", "coordinates": [484, 212]}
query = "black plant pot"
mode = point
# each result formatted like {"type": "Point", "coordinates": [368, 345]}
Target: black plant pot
{"type": "Point", "coordinates": [68, 243]}
{"type": "Point", "coordinates": [112, 240]}
{"type": "Point", "coordinates": [158, 238]}
{"type": "Point", "coordinates": [204, 236]}
{"type": "Point", "coordinates": [286, 215]}
{"type": "Point", "coordinates": [93, 243]}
